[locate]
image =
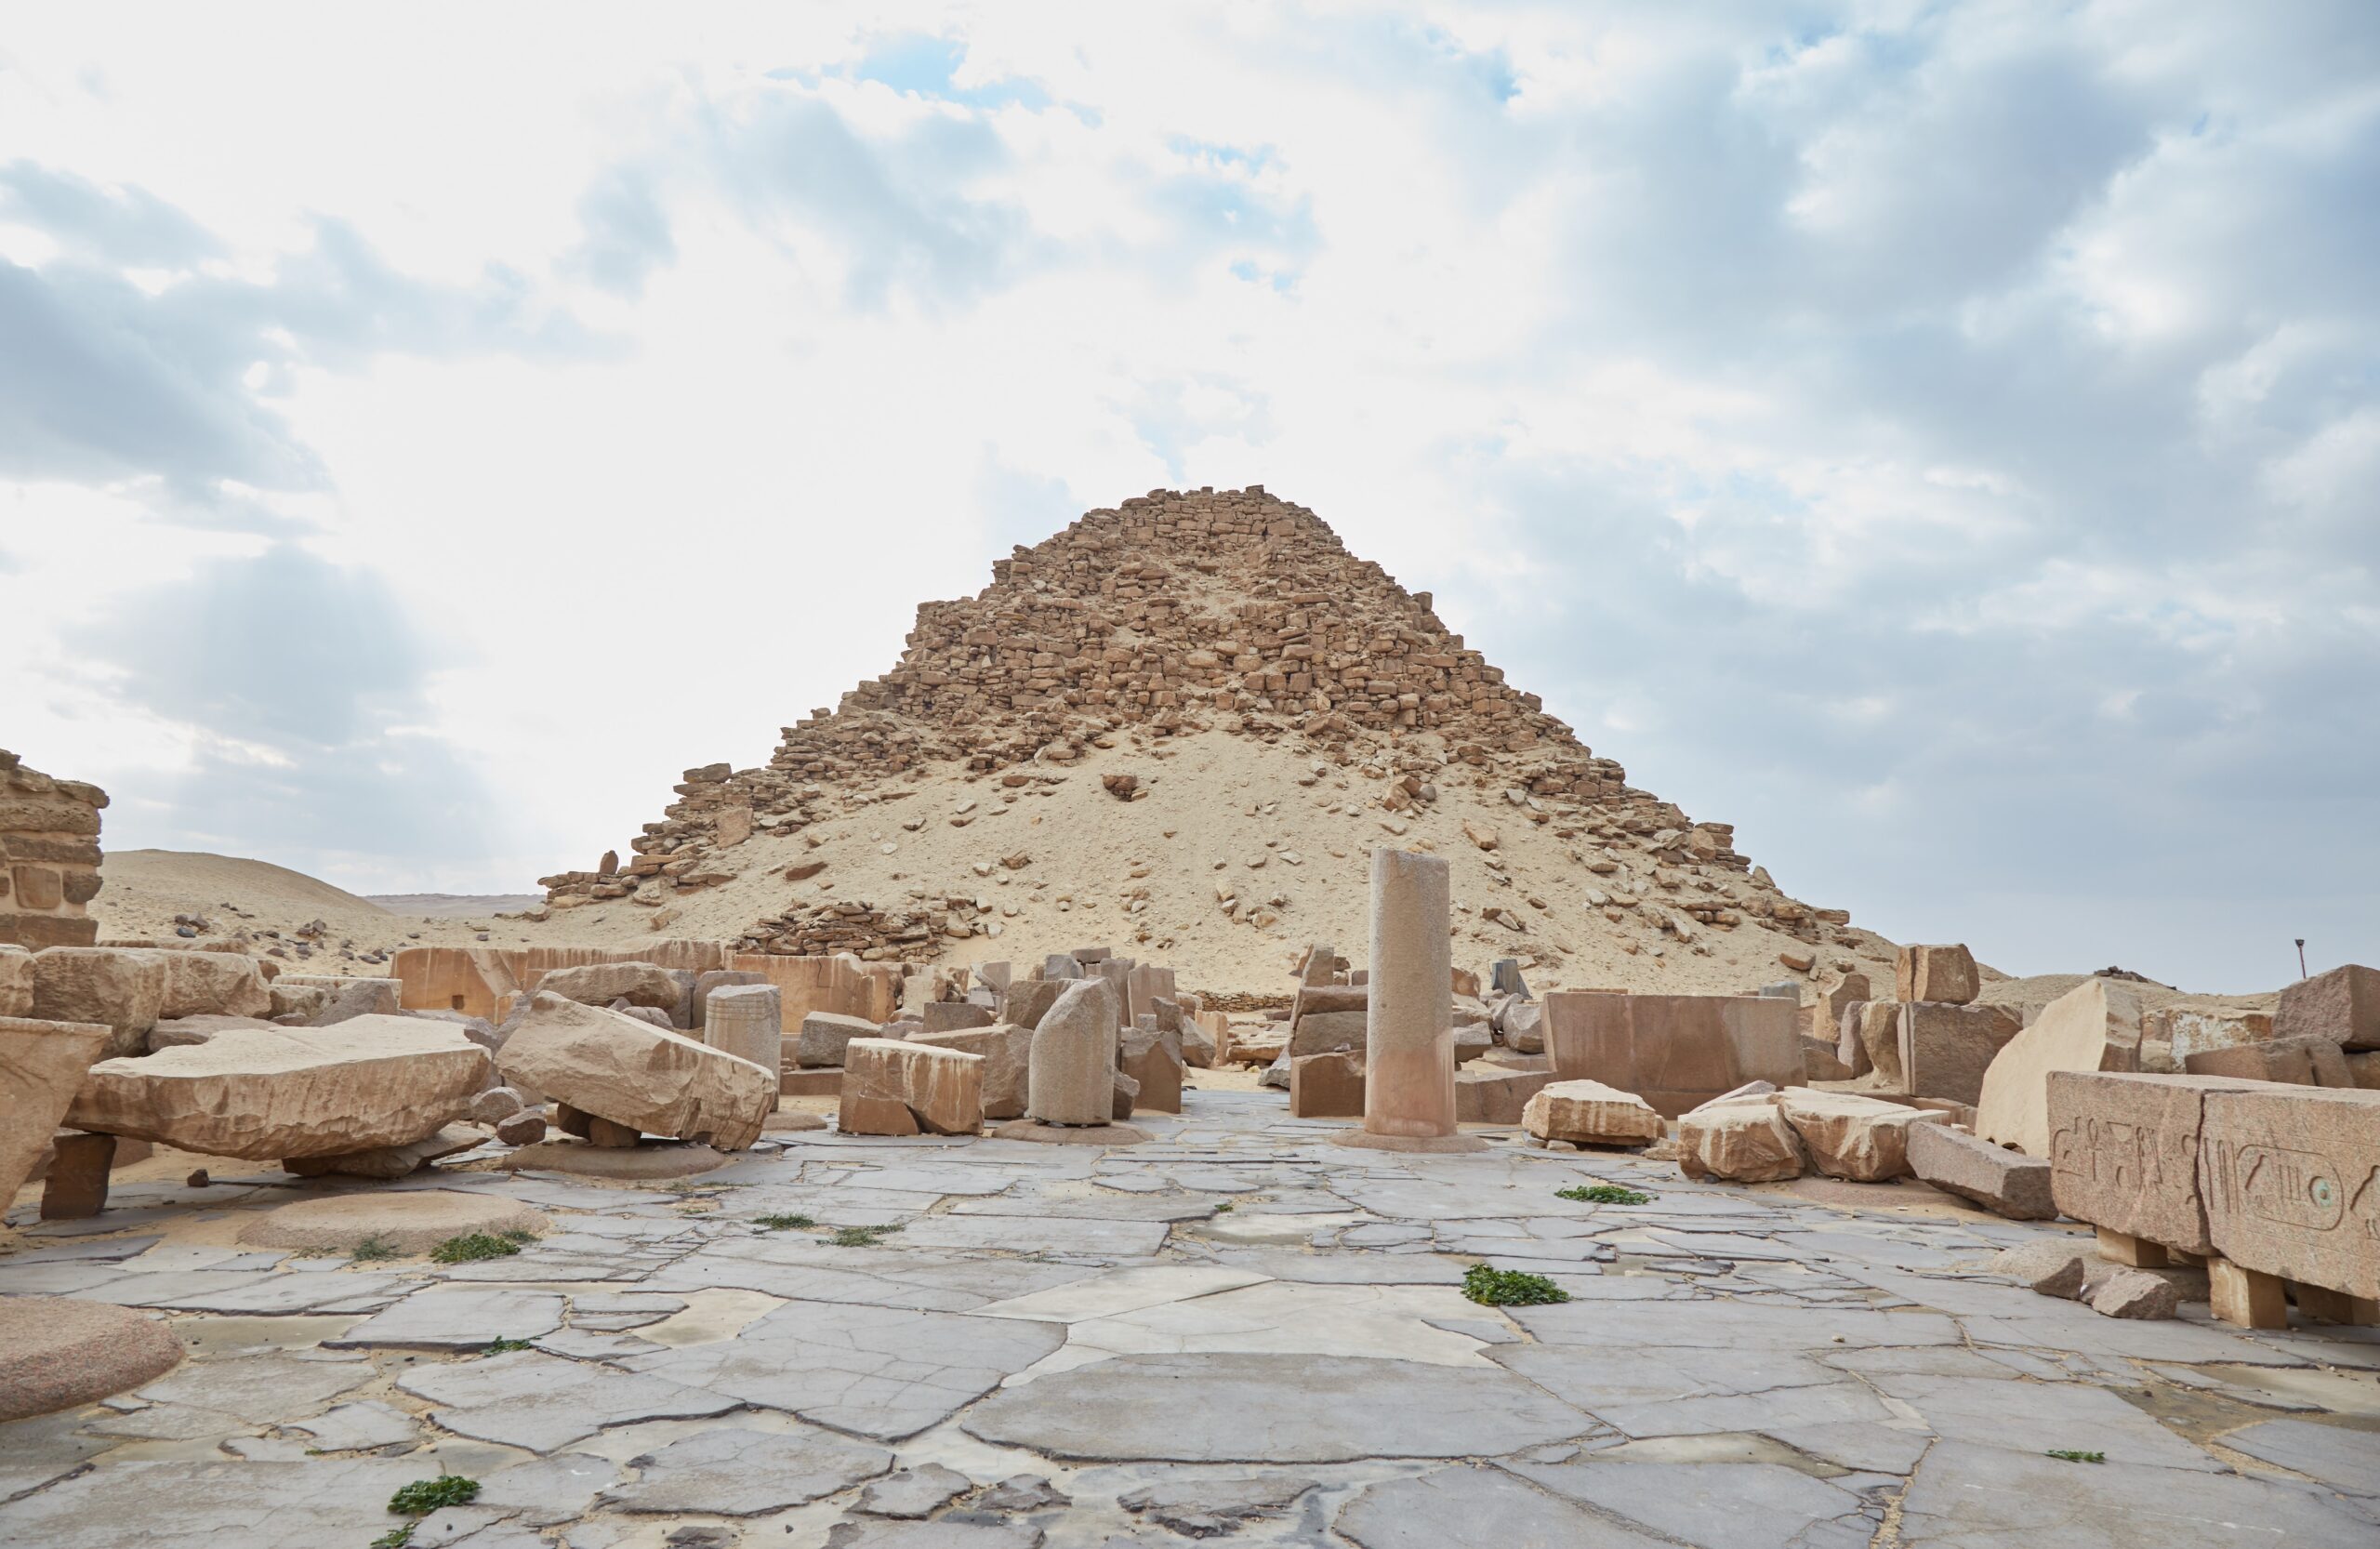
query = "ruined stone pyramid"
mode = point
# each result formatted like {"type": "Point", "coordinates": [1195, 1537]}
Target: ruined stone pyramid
{"type": "Point", "coordinates": [1168, 622]}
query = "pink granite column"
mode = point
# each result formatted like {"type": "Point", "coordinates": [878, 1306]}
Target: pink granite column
{"type": "Point", "coordinates": [1409, 1032]}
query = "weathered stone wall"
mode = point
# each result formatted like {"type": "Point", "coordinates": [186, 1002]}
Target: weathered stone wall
{"type": "Point", "coordinates": [49, 843]}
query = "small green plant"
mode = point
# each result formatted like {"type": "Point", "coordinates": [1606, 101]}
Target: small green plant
{"type": "Point", "coordinates": [518, 1234]}
{"type": "Point", "coordinates": [785, 1223]}
{"type": "Point", "coordinates": [500, 1346]}
{"type": "Point", "coordinates": [473, 1246]}
{"type": "Point", "coordinates": [1225, 1206]}
{"type": "Point", "coordinates": [1509, 1288]}
{"type": "Point", "coordinates": [861, 1236]}
{"type": "Point", "coordinates": [2069, 1455]}
{"type": "Point", "coordinates": [371, 1250]}
{"type": "Point", "coordinates": [424, 1496]}
{"type": "Point", "coordinates": [1604, 1193]}
{"type": "Point", "coordinates": [395, 1538]}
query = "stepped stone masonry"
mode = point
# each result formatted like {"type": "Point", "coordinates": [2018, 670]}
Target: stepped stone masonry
{"type": "Point", "coordinates": [49, 856]}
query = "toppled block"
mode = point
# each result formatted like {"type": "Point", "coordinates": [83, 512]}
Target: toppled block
{"type": "Point", "coordinates": [267, 1094]}
{"type": "Point", "coordinates": [1328, 1086]}
{"type": "Point", "coordinates": [2342, 1005]}
{"type": "Point", "coordinates": [2123, 1152]}
{"type": "Point", "coordinates": [1849, 1136]}
{"type": "Point", "coordinates": [1027, 1002]}
{"type": "Point", "coordinates": [1589, 1113]}
{"type": "Point", "coordinates": [600, 984]}
{"type": "Point", "coordinates": [1007, 1052]}
{"type": "Point", "coordinates": [1320, 1032]}
{"type": "Point", "coordinates": [825, 1035]}
{"type": "Point", "coordinates": [2137, 1293]}
{"type": "Point", "coordinates": [1673, 1050]}
{"type": "Point", "coordinates": [1944, 1051]}
{"type": "Point", "coordinates": [42, 1066]}
{"type": "Point", "coordinates": [647, 1079]}
{"type": "Point", "coordinates": [951, 1017]}
{"type": "Point", "coordinates": [2003, 1181]}
{"type": "Point", "coordinates": [213, 984]}
{"type": "Point", "coordinates": [122, 987]}
{"type": "Point", "coordinates": [1744, 1140]}
{"type": "Point", "coordinates": [2306, 1062]}
{"type": "Point", "coordinates": [893, 1087]}
{"type": "Point", "coordinates": [1944, 975]}
{"type": "Point", "coordinates": [389, 1161]}
{"type": "Point", "coordinates": [1523, 1025]}
{"type": "Point", "coordinates": [2094, 1026]}
{"type": "Point", "coordinates": [1153, 1059]}
{"type": "Point", "coordinates": [1496, 1095]}
{"type": "Point", "coordinates": [2292, 1182]}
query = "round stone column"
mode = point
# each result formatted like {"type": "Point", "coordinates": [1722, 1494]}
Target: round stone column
{"type": "Point", "coordinates": [1409, 1029]}
{"type": "Point", "coordinates": [747, 1021]}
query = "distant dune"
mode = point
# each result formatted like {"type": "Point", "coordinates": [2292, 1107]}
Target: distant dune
{"type": "Point", "coordinates": [455, 906]}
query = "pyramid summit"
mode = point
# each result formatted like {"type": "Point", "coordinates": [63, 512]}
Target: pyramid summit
{"type": "Point", "coordinates": [1179, 720]}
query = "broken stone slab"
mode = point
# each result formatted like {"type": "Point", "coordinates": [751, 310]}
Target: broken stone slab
{"type": "Point", "coordinates": [1744, 1140]}
{"type": "Point", "coordinates": [213, 984]}
{"type": "Point", "coordinates": [1027, 1001]}
{"type": "Point", "coordinates": [1874, 1028]}
{"type": "Point", "coordinates": [1524, 1028]}
{"type": "Point", "coordinates": [1860, 1138]}
{"type": "Point", "coordinates": [2056, 1266]}
{"type": "Point", "coordinates": [2135, 1294]}
{"type": "Point", "coordinates": [1328, 1086]}
{"type": "Point", "coordinates": [1007, 1055]}
{"type": "Point", "coordinates": [734, 1472]}
{"type": "Point", "coordinates": [2094, 1026]}
{"type": "Point", "coordinates": [2005, 1182]}
{"type": "Point", "coordinates": [913, 1492]}
{"type": "Point", "coordinates": [389, 1161]}
{"type": "Point", "coordinates": [650, 1079]}
{"type": "Point", "coordinates": [1944, 1051]}
{"type": "Point", "coordinates": [1153, 1060]}
{"type": "Point", "coordinates": [600, 984]}
{"type": "Point", "coordinates": [41, 1067]}
{"type": "Point", "coordinates": [1322, 1032]}
{"type": "Point", "coordinates": [824, 1034]}
{"type": "Point", "coordinates": [1589, 1113]}
{"type": "Point", "coordinates": [2292, 1182]}
{"type": "Point", "coordinates": [1946, 974]}
{"type": "Point", "coordinates": [2342, 1005]}
{"type": "Point", "coordinates": [175, 1032]}
{"type": "Point", "coordinates": [1072, 1075]}
{"type": "Point", "coordinates": [893, 1087]}
{"type": "Point", "coordinates": [1494, 1095]}
{"type": "Point", "coordinates": [75, 1188]}
{"type": "Point", "coordinates": [270, 1094]}
{"type": "Point", "coordinates": [122, 989]}
{"type": "Point", "coordinates": [410, 1221]}
{"type": "Point", "coordinates": [1676, 1051]}
{"type": "Point", "coordinates": [2123, 1152]}
{"type": "Point", "coordinates": [2307, 1061]}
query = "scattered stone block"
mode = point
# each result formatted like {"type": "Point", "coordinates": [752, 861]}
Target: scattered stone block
{"type": "Point", "coordinates": [345, 1000]}
{"type": "Point", "coordinates": [1025, 1005]}
{"type": "Point", "coordinates": [2005, 1182]}
{"type": "Point", "coordinates": [1744, 1140]}
{"type": "Point", "coordinates": [1524, 1028]}
{"type": "Point", "coordinates": [1589, 1113]}
{"type": "Point", "coordinates": [951, 1017]}
{"type": "Point", "coordinates": [823, 1036]}
{"type": "Point", "coordinates": [2292, 1181]}
{"type": "Point", "coordinates": [648, 1079]}
{"type": "Point", "coordinates": [1071, 1077]}
{"type": "Point", "coordinates": [41, 1067]}
{"type": "Point", "coordinates": [2135, 1294]}
{"type": "Point", "coordinates": [2094, 1026]}
{"type": "Point", "coordinates": [387, 1161]}
{"type": "Point", "coordinates": [525, 1128]}
{"type": "Point", "coordinates": [1946, 974]}
{"type": "Point", "coordinates": [1496, 1095]}
{"type": "Point", "coordinates": [121, 987]}
{"type": "Point", "coordinates": [1126, 1093]}
{"type": "Point", "coordinates": [899, 1088]}
{"type": "Point", "coordinates": [1676, 1051]}
{"type": "Point", "coordinates": [269, 1093]}
{"type": "Point", "coordinates": [76, 1189]}
{"type": "Point", "coordinates": [1320, 1032]}
{"type": "Point", "coordinates": [1945, 1050]}
{"type": "Point", "coordinates": [600, 984]}
{"type": "Point", "coordinates": [2342, 1005]}
{"type": "Point", "coordinates": [2308, 1060]}
{"type": "Point", "coordinates": [213, 984]}
{"type": "Point", "coordinates": [1007, 1052]}
{"type": "Point", "coordinates": [1849, 1136]}
{"type": "Point", "coordinates": [826, 1082]}
{"type": "Point", "coordinates": [1328, 1086]}
{"type": "Point", "coordinates": [1153, 1060]}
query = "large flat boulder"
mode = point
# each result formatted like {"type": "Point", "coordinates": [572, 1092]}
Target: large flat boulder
{"type": "Point", "coordinates": [1744, 1140]}
{"type": "Point", "coordinates": [2003, 1181]}
{"type": "Point", "coordinates": [266, 1093]}
{"type": "Point", "coordinates": [651, 1079]}
{"type": "Point", "coordinates": [1589, 1113]}
{"type": "Point", "coordinates": [1864, 1139]}
{"type": "Point", "coordinates": [2094, 1026]}
{"type": "Point", "coordinates": [42, 1066]}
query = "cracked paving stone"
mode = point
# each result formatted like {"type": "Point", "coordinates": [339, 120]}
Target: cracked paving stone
{"type": "Point", "coordinates": [803, 1268]}
{"type": "Point", "coordinates": [1742, 1506]}
{"type": "Point", "coordinates": [740, 1472]}
{"type": "Point", "coordinates": [1208, 1507]}
{"type": "Point", "coordinates": [258, 1291]}
{"type": "Point", "coordinates": [882, 1533]}
{"type": "Point", "coordinates": [914, 1491]}
{"type": "Point", "coordinates": [524, 1398]}
{"type": "Point", "coordinates": [1262, 1408]}
{"type": "Point", "coordinates": [876, 1372]}
{"type": "Point", "coordinates": [34, 1452]}
{"type": "Point", "coordinates": [543, 1491]}
{"type": "Point", "coordinates": [206, 1399]}
{"type": "Point", "coordinates": [1022, 1493]}
{"type": "Point", "coordinates": [2346, 1460]}
{"type": "Point", "coordinates": [358, 1428]}
{"type": "Point", "coordinates": [1992, 1410]}
{"type": "Point", "coordinates": [458, 1320]}
{"type": "Point", "coordinates": [1477, 1506]}
{"type": "Point", "coordinates": [210, 1505]}
{"type": "Point", "coordinates": [1970, 1496]}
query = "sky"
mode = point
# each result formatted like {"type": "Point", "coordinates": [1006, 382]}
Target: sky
{"type": "Point", "coordinates": [1942, 440]}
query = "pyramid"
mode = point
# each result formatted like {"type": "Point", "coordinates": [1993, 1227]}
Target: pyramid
{"type": "Point", "coordinates": [1232, 634]}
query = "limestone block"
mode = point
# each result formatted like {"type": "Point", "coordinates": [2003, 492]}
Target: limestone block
{"type": "Point", "coordinates": [2342, 1005]}
{"type": "Point", "coordinates": [1072, 1076]}
{"type": "Point", "coordinates": [2003, 1181]}
{"type": "Point", "coordinates": [1320, 1032]}
{"type": "Point", "coordinates": [899, 1088]}
{"type": "Point", "coordinates": [1330, 998]}
{"type": "Point", "coordinates": [652, 1080]}
{"type": "Point", "coordinates": [2094, 1026]}
{"type": "Point", "coordinates": [1494, 1095]}
{"type": "Point", "coordinates": [1524, 1028]}
{"type": "Point", "coordinates": [1143, 986]}
{"type": "Point", "coordinates": [1321, 961]}
{"type": "Point", "coordinates": [600, 984]}
{"type": "Point", "coordinates": [1850, 1049]}
{"type": "Point", "coordinates": [214, 983]}
{"type": "Point", "coordinates": [16, 981]}
{"type": "Point", "coordinates": [1589, 1113]}
{"type": "Point", "coordinates": [1153, 1059]}
{"type": "Point", "coordinates": [2292, 1181]}
{"type": "Point", "coordinates": [747, 1021]}
{"type": "Point", "coordinates": [389, 1161]}
{"type": "Point", "coordinates": [1328, 1086]}
{"type": "Point", "coordinates": [1745, 1140]}
{"type": "Point", "coordinates": [823, 1036]}
{"type": "Point", "coordinates": [950, 1016]}
{"type": "Point", "coordinates": [1819, 1061]}
{"type": "Point", "coordinates": [1675, 1051]}
{"type": "Point", "coordinates": [1877, 1030]}
{"type": "Point", "coordinates": [2309, 1062]}
{"type": "Point", "coordinates": [2189, 1031]}
{"type": "Point", "coordinates": [345, 1000]}
{"type": "Point", "coordinates": [1007, 1051]}
{"type": "Point", "coordinates": [1849, 1136]}
{"type": "Point", "coordinates": [1945, 1050]}
{"type": "Point", "coordinates": [123, 988]}
{"type": "Point", "coordinates": [42, 1066]}
{"type": "Point", "coordinates": [2123, 1152]}
{"type": "Point", "coordinates": [267, 1093]}
{"type": "Point", "coordinates": [296, 1005]}
{"type": "Point", "coordinates": [1946, 974]}
{"type": "Point", "coordinates": [175, 1031]}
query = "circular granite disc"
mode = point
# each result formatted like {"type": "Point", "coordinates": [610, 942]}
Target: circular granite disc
{"type": "Point", "coordinates": [411, 1221]}
{"type": "Point", "coordinates": [1069, 1135]}
{"type": "Point", "coordinates": [650, 1159]}
{"type": "Point", "coordinates": [57, 1352]}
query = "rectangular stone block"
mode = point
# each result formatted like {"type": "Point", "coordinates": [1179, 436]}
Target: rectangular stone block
{"type": "Point", "coordinates": [41, 1067]}
{"type": "Point", "coordinates": [1320, 1032]}
{"type": "Point", "coordinates": [2094, 1026]}
{"type": "Point", "coordinates": [16, 982]}
{"type": "Point", "coordinates": [2123, 1152]}
{"type": "Point", "coordinates": [1850, 1049]}
{"type": "Point", "coordinates": [892, 1087]}
{"type": "Point", "coordinates": [1676, 1051]}
{"type": "Point", "coordinates": [2308, 1061]}
{"type": "Point", "coordinates": [1493, 1095]}
{"type": "Point", "coordinates": [2291, 1182]}
{"type": "Point", "coordinates": [36, 932]}
{"type": "Point", "coordinates": [1946, 1050]}
{"type": "Point", "coordinates": [2003, 1181]}
{"type": "Point", "coordinates": [823, 1082]}
{"type": "Point", "coordinates": [951, 1017]}
{"type": "Point", "coordinates": [1006, 1050]}
{"type": "Point", "coordinates": [2189, 1032]}
{"type": "Point", "coordinates": [2342, 1005]}
{"type": "Point", "coordinates": [1944, 975]}
{"type": "Point", "coordinates": [1328, 1086]}
{"type": "Point", "coordinates": [825, 1035]}
{"type": "Point", "coordinates": [1153, 1059]}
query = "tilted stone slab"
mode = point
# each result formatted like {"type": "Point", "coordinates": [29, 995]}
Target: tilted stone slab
{"type": "Point", "coordinates": [1676, 1051]}
{"type": "Point", "coordinates": [652, 1080]}
{"type": "Point", "coordinates": [1745, 1140]}
{"type": "Point", "coordinates": [2003, 1181]}
{"type": "Point", "coordinates": [266, 1093]}
{"type": "Point", "coordinates": [2291, 1182]}
{"type": "Point", "coordinates": [2094, 1026]}
{"type": "Point", "coordinates": [1946, 974]}
{"type": "Point", "coordinates": [824, 1034]}
{"type": "Point", "coordinates": [124, 988]}
{"type": "Point", "coordinates": [42, 1066]}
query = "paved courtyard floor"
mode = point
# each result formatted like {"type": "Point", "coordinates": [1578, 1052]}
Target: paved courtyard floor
{"type": "Point", "coordinates": [1234, 1334]}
